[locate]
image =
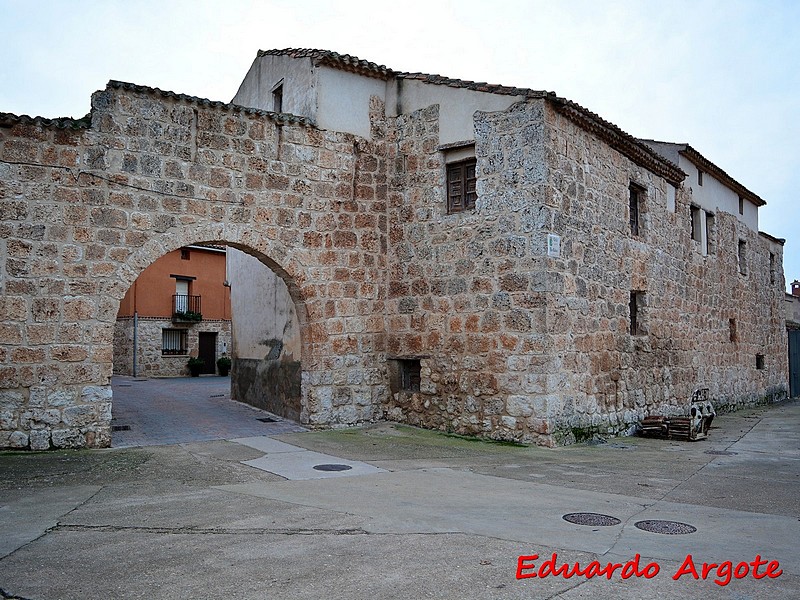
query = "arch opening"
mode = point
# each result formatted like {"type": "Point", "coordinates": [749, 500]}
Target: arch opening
{"type": "Point", "coordinates": [205, 302]}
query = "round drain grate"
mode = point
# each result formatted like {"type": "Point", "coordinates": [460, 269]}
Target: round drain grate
{"type": "Point", "coordinates": [665, 527]}
{"type": "Point", "coordinates": [332, 467]}
{"type": "Point", "coordinates": [720, 452]}
{"type": "Point", "coordinates": [591, 519]}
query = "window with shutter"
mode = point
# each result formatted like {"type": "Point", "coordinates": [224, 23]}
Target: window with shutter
{"type": "Point", "coordinates": [461, 193]}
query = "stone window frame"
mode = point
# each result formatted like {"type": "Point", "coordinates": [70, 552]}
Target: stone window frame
{"type": "Point", "coordinates": [459, 158]}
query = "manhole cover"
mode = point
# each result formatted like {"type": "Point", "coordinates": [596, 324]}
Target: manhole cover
{"type": "Point", "coordinates": [721, 452]}
{"type": "Point", "coordinates": [120, 428]}
{"type": "Point", "coordinates": [591, 519]}
{"type": "Point", "coordinates": [332, 467]}
{"type": "Point", "coordinates": [267, 420]}
{"type": "Point", "coordinates": [665, 527]}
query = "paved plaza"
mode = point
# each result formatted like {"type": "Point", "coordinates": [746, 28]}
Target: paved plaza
{"type": "Point", "coordinates": [389, 511]}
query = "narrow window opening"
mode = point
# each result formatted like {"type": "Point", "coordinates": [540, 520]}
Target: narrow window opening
{"type": "Point", "coordinates": [694, 215]}
{"type": "Point", "coordinates": [710, 244]}
{"type": "Point", "coordinates": [742, 256]}
{"type": "Point", "coordinates": [185, 254]}
{"type": "Point", "coordinates": [760, 362]}
{"type": "Point", "coordinates": [277, 98]}
{"type": "Point", "coordinates": [741, 205]}
{"type": "Point", "coordinates": [410, 375]}
{"type": "Point", "coordinates": [461, 188]}
{"type": "Point", "coordinates": [699, 177]}
{"type": "Point", "coordinates": [635, 312]}
{"type": "Point", "coordinates": [634, 205]}
{"type": "Point", "coordinates": [732, 333]}
{"type": "Point", "coordinates": [772, 268]}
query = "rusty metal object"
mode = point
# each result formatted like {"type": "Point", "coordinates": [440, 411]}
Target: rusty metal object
{"type": "Point", "coordinates": [690, 428]}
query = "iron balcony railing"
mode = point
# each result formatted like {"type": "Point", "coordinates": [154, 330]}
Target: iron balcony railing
{"type": "Point", "coordinates": [186, 308]}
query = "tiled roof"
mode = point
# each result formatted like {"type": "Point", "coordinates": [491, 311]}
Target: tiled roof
{"type": "Point", "coordinates": [9, 120]}
{"type": "Point", "coordinates": [702, 163]}
{"type": "Point", "coordinates": [344, 62]}
{"type": "Point", "coordinates": [625, 143]}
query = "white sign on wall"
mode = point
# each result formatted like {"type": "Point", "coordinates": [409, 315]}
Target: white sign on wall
{"type": "Point", "coordinates": [553, 245]}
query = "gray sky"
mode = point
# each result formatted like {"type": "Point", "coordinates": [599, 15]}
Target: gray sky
{"type": "Point", "coordinates": [720, 75]}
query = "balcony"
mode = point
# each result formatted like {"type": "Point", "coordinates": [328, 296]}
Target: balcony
{"type": "Point", "coordinates": [186, 309]}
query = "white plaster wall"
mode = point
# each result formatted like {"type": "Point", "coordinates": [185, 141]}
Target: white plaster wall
{"type": "Point", "coordinates": [343, 100]}
{"type": "Point", "coordinates": [262, 309]}
{"type": "Point", "coordinates": [713, 195]}
{"type": "Point", "coordinates": [299, 85]}
{"type": "Point", "coordinates": [457, 106]}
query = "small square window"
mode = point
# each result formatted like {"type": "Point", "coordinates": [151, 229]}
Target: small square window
{"type": "Point", "coordinates": [404, 375]}
{"type": "Point", "coordinates": [185, 254]}
{"type": "Point", "coordinates": [461, 194]}
{"type": "Point", "coordinates": [760, 362]}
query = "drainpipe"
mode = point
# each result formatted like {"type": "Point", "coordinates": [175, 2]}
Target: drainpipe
{"type": "Point", "coordinates": [135, 342]}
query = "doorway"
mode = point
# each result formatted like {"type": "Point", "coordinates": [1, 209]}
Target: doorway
{"type": "Point", "coordinates": [207, 350]}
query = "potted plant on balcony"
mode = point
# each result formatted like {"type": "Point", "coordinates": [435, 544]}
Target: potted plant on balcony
{"type": "Point", "coordinates": [195, 364]}
{"type": "Point", "coordinates": [224, 365]}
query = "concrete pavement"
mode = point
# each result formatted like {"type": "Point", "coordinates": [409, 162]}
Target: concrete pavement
{"type": "Point", "coordinates": [418, 515]}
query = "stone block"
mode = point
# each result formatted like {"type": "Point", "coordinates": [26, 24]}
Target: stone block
{"type": "Point", "coordinates": [40, 439]}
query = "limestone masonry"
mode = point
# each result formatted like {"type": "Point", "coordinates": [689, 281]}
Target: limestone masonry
{"type": "Point", "coordinates": [479, 259]}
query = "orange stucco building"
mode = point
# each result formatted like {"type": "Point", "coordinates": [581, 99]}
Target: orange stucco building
{"type": "Point", "coordinates": [180, 306]}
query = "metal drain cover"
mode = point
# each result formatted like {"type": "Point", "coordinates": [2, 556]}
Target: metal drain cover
{"type": "Point", "coordinates": [267, 420]}
{"type": "Point", "coordinates": [591, 519]}
{"type": "Point", "coordinates": [665, 527]}
{"type": "Point", "coordinates": [332, 467]}
{"type": "Point", "coordinates": [721, 452]}
{"type": "Point", "coordinates": [120, 428]}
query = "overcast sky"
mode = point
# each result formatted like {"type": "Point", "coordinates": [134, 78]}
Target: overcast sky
{"type": "Point", "coordinates": [720, 75]}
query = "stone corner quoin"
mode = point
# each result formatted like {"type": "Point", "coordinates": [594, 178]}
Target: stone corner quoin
{"type": "Point", "coordinates": [508, 342]}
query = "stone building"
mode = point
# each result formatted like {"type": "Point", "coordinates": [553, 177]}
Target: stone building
{"type": "Point", "coordinates": [475, 258]}
{"type": "Point", "coordinates": [178, 307]}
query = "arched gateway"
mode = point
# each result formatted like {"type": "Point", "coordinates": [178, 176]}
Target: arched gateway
{"type": "Point", "coordinates": [89, 204]}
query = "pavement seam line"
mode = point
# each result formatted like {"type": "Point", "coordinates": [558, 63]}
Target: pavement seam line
{"type": "Point", "coordinates": [207, 530]}
{"type": "Point", "coordinates": [49, 529]}
{"type": "Point", "coordinates": [673, 488]}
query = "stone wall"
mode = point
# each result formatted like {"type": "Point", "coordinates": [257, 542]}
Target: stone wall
{"type": "Point", "coordinates": [151, 361]}
{"type": "Point", "coordinates": [516, 344]}
{"type": "Point", "coordinates": [86, 206]}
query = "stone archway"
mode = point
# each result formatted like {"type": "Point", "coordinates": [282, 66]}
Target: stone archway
{"type": "Point", "coordinates": [89, 204]}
